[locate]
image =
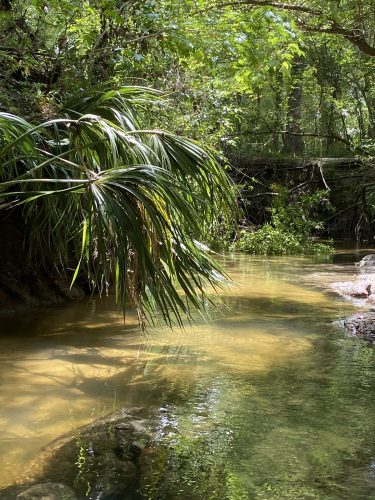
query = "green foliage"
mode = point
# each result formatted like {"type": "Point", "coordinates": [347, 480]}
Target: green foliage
{"type": "Point", "coordinates": [219, 234]}
{"type": "Point", "coordinates": [121, 204]}
{"type": "Point", "coordinates": [270, 240]}
{"type": "Point", "coordinates": [290, 230]}
{"type": "Point", "coordinates": [230, 71]}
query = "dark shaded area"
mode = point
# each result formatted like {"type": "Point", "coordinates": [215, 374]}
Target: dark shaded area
{"type": "Point", "coordinates": [350, 181]}
{"type": "Point", "coordinates": [23, 280]}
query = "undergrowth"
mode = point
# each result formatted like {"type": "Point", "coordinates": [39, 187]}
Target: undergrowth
{"type": "Point", "coordinates": [291, 227]}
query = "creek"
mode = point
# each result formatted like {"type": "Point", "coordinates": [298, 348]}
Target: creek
{"type": "Point", "coordinates": [268, 398]}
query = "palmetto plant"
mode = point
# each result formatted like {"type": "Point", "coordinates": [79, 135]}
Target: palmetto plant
{"type": "Point", "coordinates": [114, 201]}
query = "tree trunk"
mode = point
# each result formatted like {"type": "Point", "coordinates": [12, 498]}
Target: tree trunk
{"type": "Point", "coordinates": [293, 140]}
{"type": "Point", "coordinates": [277, 122]}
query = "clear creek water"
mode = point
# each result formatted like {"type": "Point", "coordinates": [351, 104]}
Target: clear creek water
{"type": "Point", "coordinates": [270, 399]}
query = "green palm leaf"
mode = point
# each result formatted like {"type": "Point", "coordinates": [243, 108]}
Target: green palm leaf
{"type": "Point", "coordinates": [120, 204]}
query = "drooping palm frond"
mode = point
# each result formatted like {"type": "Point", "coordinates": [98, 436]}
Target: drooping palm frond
{"type": "Point", "coordinates": [121, 203]}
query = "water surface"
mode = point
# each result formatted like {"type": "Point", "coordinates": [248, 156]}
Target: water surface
{"type": "Point", "coordinates": [268, 399]}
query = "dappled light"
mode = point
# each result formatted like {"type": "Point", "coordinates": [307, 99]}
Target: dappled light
{"type": "Point", "coordinates": [259, 353]}
{"type": "Point", "coordinates": [187, 261]}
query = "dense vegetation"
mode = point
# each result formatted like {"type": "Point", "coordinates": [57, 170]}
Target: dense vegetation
{"type": "Point", "coordinates": [276, 89]}
{"type": "Point", "coordinates": [289, 230]}
{"type": "Point", "coordinates": [282, 77]}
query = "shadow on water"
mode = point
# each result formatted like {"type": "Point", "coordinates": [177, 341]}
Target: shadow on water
{"type": "Point", "coordinates": [269, 308]}
{"type": "Point", "coordinates": [302, 430]}
{"type": "Point", "coordinates": [267, 399]}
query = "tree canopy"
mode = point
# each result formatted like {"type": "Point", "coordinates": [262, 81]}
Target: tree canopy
{"type": "Point", "coordinates": [247, 78]}
{"type": "Point", "coordinates": [231, 68]}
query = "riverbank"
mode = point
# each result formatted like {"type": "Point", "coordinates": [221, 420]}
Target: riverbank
{"type": "Point", "coordinates": [24, 282]}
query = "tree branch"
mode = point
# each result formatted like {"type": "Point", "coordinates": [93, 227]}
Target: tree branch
{"type": "Point", "coordinates": [275, 5]}
{"type": "Point", "coordinates": [354, 36]}
{"type": "Point", "coordinates": [302, 134]}
{"type": "Point", "coordinates": [340, 212]}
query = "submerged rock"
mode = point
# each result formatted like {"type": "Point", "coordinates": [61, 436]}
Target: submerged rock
{"type": "Point", "coordinates": [105, 460]}
{"type": "Point", "coordinates": [48, 491]}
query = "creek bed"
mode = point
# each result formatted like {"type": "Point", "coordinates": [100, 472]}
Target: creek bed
{"type": "Point", "coordinates": [267, 399]}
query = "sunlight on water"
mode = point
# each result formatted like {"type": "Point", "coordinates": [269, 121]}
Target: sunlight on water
{"type": "Point", "coordinates": [267, 378]}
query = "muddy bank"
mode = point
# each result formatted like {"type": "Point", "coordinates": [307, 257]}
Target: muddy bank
{"type": "Point", "coordinates": [25, 282]}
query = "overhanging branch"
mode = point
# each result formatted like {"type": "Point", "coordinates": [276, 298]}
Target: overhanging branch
{"type": "Point", "coordinates": [354, 36]}
{"type": "Point", "coordinates": [275, 5]}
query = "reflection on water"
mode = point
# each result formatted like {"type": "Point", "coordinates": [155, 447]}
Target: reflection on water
{"type": "Point", "coordinates": [268, 399]}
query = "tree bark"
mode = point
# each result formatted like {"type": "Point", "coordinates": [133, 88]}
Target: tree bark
{"type": "Point", "coordinates": [277, 122]}
{"type": "Point", "coordinates": [293, 139]}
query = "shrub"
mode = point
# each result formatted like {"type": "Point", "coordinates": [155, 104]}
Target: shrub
{"type": "Point", "coordinates": [290, 230]}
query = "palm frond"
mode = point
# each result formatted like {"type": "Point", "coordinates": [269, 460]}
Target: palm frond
{"type": "Point", "coordinates": [121, 204]}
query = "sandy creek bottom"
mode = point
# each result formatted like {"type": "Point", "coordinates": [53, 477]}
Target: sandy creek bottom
{"type": "Point", "coordinates": [267, 386]}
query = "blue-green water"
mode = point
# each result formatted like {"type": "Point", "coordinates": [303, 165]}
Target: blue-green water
{"type": "Point", "coordinates": [266, 400]}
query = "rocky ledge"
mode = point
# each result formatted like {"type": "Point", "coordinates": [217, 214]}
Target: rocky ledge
{"type": "Point", "coordinates": [362, 289]}
{"type": "Point", "coordinates": [363, 286]}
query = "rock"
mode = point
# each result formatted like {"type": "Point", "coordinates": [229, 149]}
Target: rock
{"type": "Point", "coordinates": [106, 458]}
{"type": "Point", "coordinates": [362, 325]}
{"type": "Point", "coordinates": [138, 426]}
{"type": "Point", "coordinates": [367, 261]}
{"type": "Point", "coordinates": [138, 447]}
{"type": "Point", "coordinates": [48, 491]}
{"type": "Point", "coordinates": [117, 457]}
{"type": "Point", "coordinates": [361, 288]}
